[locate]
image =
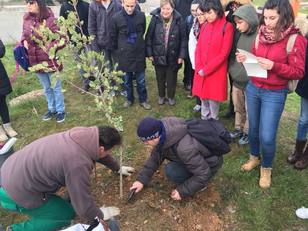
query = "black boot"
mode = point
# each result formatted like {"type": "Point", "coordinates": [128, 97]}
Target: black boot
{"type": "Point", "coordinates": [298, 151]}
{"type": "Point", "coordinates": [303, 162]}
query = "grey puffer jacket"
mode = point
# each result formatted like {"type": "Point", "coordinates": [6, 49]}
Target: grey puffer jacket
{"type": "Point", "coordinates": [179, 146]}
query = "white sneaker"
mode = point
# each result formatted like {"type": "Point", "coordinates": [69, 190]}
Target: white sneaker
{"type": "Point", "coordinates": [197, 108]}
{"type": "Point", "coordinates": [302, 213]}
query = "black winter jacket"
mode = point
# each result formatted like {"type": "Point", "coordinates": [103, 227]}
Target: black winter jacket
{"type": "Point", "coordinates": [5, 85]}
{"type": "Point", "coordinates": [183, 7]}
{"type": "Point", "coordinates": [99, 23]}
{"type": "Point", "coordinates": [82, 11]}
{"type": "Point", "coordinates": [177, 42]}
{"type": "Point", "coordinates": [179, 146]}
{"type": "Point", "coordinates": [130, 57]}
{"type": "Point", "coordinates": [302, 87]}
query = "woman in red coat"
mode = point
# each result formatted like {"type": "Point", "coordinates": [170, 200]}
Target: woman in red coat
{"type": "Point", "coordinates": [213, 48]}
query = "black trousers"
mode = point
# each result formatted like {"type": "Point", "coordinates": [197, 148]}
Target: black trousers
{"type": "Point", "coordinates": [166, 77]}
{"type": "Point", "coordinates": [4, 111]}
{"type": "Point", "coordinates": [188, 73]}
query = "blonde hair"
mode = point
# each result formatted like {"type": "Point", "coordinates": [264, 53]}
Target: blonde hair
{"type": "Point", "coordinates": [165, 2]}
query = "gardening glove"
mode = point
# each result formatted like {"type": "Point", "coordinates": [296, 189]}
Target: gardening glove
{"type": "Point", "coordinates": [126, 170]}
{"type": "Point", "coordinates": [110, 212]}
{"type": "Point", "coordinates": [201, 73]}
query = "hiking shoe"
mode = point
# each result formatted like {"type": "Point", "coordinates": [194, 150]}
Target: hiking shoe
{"type": "Point", "coordinates": [60, 117]}
{"type": "Point", "coordinates": [236, 134]}
{"type": "Point", "coordinates": [48, 115]}
{"type": "Point", "coordinates": [197, 108]}
{"type": "Point", "coordinates": [171, 102]}
{"type": "Point", "coordinates": [265, 177]}
{"type": "Point", "coordinates": [145, 105]}
{"type": "Point", "coordinates": [127, 104]}
{"type": "Point", "coordinates": [253, 162]}
{"type": "Point", "coordinates": [244, 139]}
{"type": "Point", "coordinates": [161, 100]}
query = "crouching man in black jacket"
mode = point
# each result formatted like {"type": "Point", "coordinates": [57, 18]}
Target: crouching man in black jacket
{"type": "Point", "coordinates": [191, 164]}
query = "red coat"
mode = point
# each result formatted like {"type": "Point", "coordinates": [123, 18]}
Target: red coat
{"type": "Point", "coordinates": [285, 67]}
{"type": "Point", "coordinates": [212, 51]}
{"type": "Point", "coordinates": [36, 54]}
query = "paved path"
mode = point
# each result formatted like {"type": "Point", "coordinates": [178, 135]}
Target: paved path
{"type": "Point", "coordinates": [11, 19]}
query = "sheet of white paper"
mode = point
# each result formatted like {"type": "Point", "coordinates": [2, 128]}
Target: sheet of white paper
{"type": "Point", "coordinates": [251, 65]}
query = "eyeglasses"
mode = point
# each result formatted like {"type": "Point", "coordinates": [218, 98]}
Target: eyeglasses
{"type": "Point", "coordinates": [31, 2]}
{"type": "Point", "coordinates": [200, 15]}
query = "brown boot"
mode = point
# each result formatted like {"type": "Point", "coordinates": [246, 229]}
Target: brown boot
{"type": "Point", "coordinates": [253, 162]}
{"type": "Point", "coordinates": [9, 130]}
{"type": "Point", "coordinates": [265, 177]}
{"type": "Point", "coordinates": [298, 151]}
{"type": "Point", "coordinates": [303, 162]}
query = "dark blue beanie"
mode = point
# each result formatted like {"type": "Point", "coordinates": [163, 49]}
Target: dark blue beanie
{"type": "Point", "coordinates": [149, 128]}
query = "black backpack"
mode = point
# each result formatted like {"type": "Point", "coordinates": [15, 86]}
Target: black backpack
{"type": "Point", "coordinates": [210, 133]}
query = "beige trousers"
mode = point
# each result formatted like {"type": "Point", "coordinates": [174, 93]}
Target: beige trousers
{"type": "Point", "coordinates": [240, 108]}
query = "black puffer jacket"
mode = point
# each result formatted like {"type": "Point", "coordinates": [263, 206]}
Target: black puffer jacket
{"type": "Point", "coordinates": [155, 42]}
{"type": "Point", "coordinates": [130, 57]}
{"type": "Point", "coordinates": [82, 11]}
{"type": "Point", "coordinates": [5, 85]}
{"type": "Point", "coordinates": [99, 23]}
{"type": "Point", "coordinates": [179, 146]}
{"type": "Point", "coordinates": [183, 7]}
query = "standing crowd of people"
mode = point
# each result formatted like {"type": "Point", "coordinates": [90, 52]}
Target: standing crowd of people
{"type": "Point", "coordinates": [201, 35]}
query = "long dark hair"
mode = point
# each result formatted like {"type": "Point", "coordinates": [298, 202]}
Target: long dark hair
{"type": "Point", "coordinates": [43, 10]}
{"type": "Point", "coordinates": [285, 11]}
{"type": "Point", "coordinates": [214, 5]}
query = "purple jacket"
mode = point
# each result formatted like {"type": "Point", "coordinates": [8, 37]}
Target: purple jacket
{"type": "Point", "coordinates": [36, 54]}
{"type": "Point", "coordinates": [44, 166]}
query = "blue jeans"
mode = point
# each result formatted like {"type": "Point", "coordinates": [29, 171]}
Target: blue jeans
{"type": "Point", "coordinates": [54, 96]}
{"type": "Point", "coordinates": [264, 111]}
{"type": "Point", "coordinates": [302, 125]}
{"type": "Point", "coordinates": [141, 89]}
{"type": "Point", "coordinates": [177, 172]}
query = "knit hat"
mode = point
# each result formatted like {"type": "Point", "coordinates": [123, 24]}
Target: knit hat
{"type": "Point", "coordinates": [149, 129]}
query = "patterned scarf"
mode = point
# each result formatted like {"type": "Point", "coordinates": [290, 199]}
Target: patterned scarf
{"type": "Point", "coordinates": [167, 25]}
{"type": "Point", "coordinates": [268, 36]}
{"type": "Point", "coordinates": [196, 28]}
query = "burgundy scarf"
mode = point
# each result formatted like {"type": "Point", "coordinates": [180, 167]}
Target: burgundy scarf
{"type": "Point", "coordinates": [267, 36]}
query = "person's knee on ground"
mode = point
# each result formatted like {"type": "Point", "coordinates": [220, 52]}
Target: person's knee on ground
{"type": "Point", "coordinates": [176, 172]}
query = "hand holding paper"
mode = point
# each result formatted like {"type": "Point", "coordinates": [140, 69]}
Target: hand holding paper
{"type": "Point", "coordinates": [265, 63]}
{"type": "Point", "coordinates": [251, 64]}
